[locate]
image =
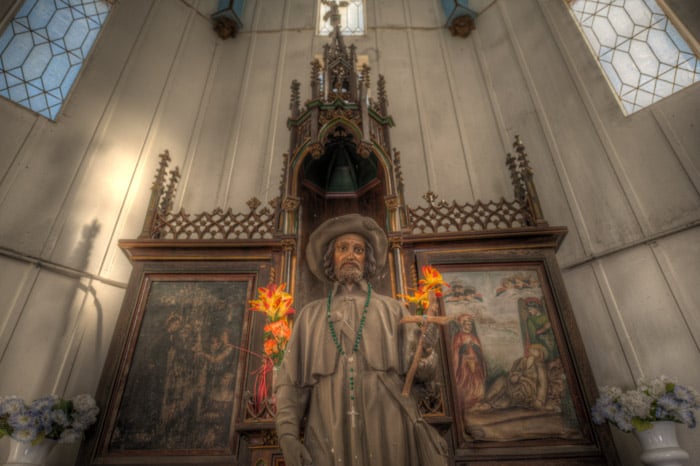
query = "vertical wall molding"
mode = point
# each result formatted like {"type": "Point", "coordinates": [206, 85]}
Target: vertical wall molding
{"type": "Point", "coordinates": [268, 189]}
{"type": "Point", "coordinates": [193, 143]}
{"type": "Point", "coordinates": [692, 169]}
{"type": "Point", "coordinates": [506, 139]}
{"type": "Point", "coordinates": [103, 128]}
{"type": "Point", "coordinates": [425, 138]}
{"type": "Point", "coordinates": [467, 152]}
{"type": "Point", "coordinates": [623, 336]}
{"type": "Point", "coordinates": [16, 305]}
{"type": "Point", "coordinates": [564, 179]}
{"type": "Point", "coordinates": [594, 116]}
{"type": "Point", "coordinates": [686, 309]}
{"type": "Point", "coordinates": [232, 143]}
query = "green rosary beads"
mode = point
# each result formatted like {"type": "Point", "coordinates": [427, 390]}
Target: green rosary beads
{"type": "Point", "coordinates": [358, 337]}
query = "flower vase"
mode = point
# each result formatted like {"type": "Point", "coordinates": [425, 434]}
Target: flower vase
{"type": "Point", "coordinates": [24, 453]}
{"type": "Point", "coordinates": [660, 445]}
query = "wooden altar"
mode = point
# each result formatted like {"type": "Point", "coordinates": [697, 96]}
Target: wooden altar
{"type": "Point", "coordinates": [179, 383]}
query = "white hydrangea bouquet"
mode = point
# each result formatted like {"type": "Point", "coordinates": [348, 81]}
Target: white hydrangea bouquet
{"type": "Point", "coordinates": [50, 417]}
{"type": "Point", "coordinates": [657, 399]}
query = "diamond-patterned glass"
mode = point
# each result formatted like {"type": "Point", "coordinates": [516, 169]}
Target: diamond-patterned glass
{"type": "Point", "coordinates": [642, 54]}
{"type": "Point", "coordinates": [352, 18]}
{"type": "Point", "coordinates": [43, 48]}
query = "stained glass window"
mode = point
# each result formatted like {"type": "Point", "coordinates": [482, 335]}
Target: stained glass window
{"type": "Point", "coordinates": [642, 54]}
{"type": "Point", "coordinates": [43, 49]}
{"type": "Point", "coordinates": [352, 18]}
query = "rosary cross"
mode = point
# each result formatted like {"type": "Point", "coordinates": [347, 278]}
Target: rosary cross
{"type": "Point", "coordinates": [353, 414]}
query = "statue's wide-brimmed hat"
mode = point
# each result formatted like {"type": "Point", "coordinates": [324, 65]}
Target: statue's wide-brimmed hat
{"type": "Point", "coordinates": [334, 227]}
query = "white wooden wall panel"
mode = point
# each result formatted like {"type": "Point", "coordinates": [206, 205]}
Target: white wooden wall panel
{"type": "Point", "coordinates": [99, 306]}
{"type": "Point", "coordinates": [45, 168]}
{"type": "Point", "coordinates": [678, 116]}
{"type": "Point", "coordinates": [298, 54]}
{"type": "Point", "coordinates": [203, 180]}
{"type": "Point", "coordinates": [204, 7]}
{"type": "Point", "coordinates": [595, 187]}
{"type": "Point", "coordinates": [249, 151]}
{"type": "Point", "coordinates": [679, 259]}
{"type": "Point", "coordinates": [556, 105]}
{"type": "Point", "coordinates": [16, 282]}
{"type": "Point", "coordinates": [271, 13]}
{"type": "Point", "coordinates": [16, 124]}
{"type": "Point", "coordinates": [115, 156]}
{"type": "Point", "coordinates": [444, 151]}
{"type": "Point", "coordinates": [43, 318]}
{"type": "Point", "coordinates": [639, 152]}
{"type": "Point", "coordinates": [302, 16]}
{"type": "Point", "coordinates": [397, 63]}
{"type": "Point", "coordinates": [386, 13]}
{"type": "Point", "coordinates": [479, 128]}
{"type": "Point", "coordinates": [177, 121]}
{"type": "Point", "coordinates": [279, 105]}
{"type": "Point", "coordinates": [172, 127]}
{"type": "Point", "coordinates": [650, 314]}
{"type": "Point", "coordinates": [133, 119]}
{"type": "Point", "coordinates": [598, 329]}
{"type": "Point", "coordinates": [421, 14]}
{"type": "Point", "coordinates": [647, 159]}
{"type": "Point", "coordinates": [510, 86]}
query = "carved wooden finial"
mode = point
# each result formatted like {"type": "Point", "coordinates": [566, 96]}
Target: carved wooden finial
{"type": "Point", "coordinates": [527, 177]}
{"type": "Point", "coordinates": [381, 95]}
{"type": "Point", "coordinates": [431, 197]}
{"type": "Point", "coordinates": [364, 75]}
{"type": "Point", "coordinates": [253, 203]}
{"type": "Point", "coordinates": [159, 180]}
{"type": "Point", "coordinates": [156, 191]}
{"type": "Point", "coordinates": [516, 180]}
{"type": "Point", "coordinates": [166, 202]}
{"type": "Point", "coordinates": [294, 102]}
{"type": "Point", "coordinates": [397, 171]}
{"type": "Point", "coordinates": [285, 162]}
{"type": "Point", "coordinates": [315, 78]}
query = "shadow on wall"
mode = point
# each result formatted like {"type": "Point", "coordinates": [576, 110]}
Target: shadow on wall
{"type": "Point", "coordinates": [82, 323]}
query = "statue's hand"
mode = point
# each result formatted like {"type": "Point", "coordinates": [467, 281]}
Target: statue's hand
{"type": "Point", "coordinates": [295, 453]}
{"type": "Point", "coordinates": [430, 340]}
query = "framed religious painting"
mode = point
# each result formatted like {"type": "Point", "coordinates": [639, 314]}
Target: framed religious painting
{"type": "Point", "coordinates": [518, 376]}
{"type": "Point", "coordinates": [172, 386]}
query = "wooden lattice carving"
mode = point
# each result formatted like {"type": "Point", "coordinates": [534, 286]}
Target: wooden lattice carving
{"type": "Point", "coordinates": [444, 217]}
{"type": "Point", "coordinates": [219, 224]}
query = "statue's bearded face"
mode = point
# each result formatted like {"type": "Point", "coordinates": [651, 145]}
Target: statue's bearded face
{"type": "Point", "coordinates": [349, 257]}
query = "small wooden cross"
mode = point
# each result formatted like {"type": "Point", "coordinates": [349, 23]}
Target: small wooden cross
{"type": "Point", "coordinates": [428, 317]}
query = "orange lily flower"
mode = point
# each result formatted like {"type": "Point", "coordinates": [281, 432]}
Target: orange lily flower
{"type": "Point", "coordinates": [432, 280]}
{"type": "Point", "coordinates": [279, 329]}
{"type": "Point", "coordinates": [276, 304]}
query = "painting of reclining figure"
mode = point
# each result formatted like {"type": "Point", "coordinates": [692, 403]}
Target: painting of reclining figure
{"type": "Point", "coordinates": [508, 376]}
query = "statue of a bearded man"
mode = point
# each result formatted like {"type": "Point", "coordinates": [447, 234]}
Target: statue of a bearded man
{"type": "Point", "coordinates": [344, 365]}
